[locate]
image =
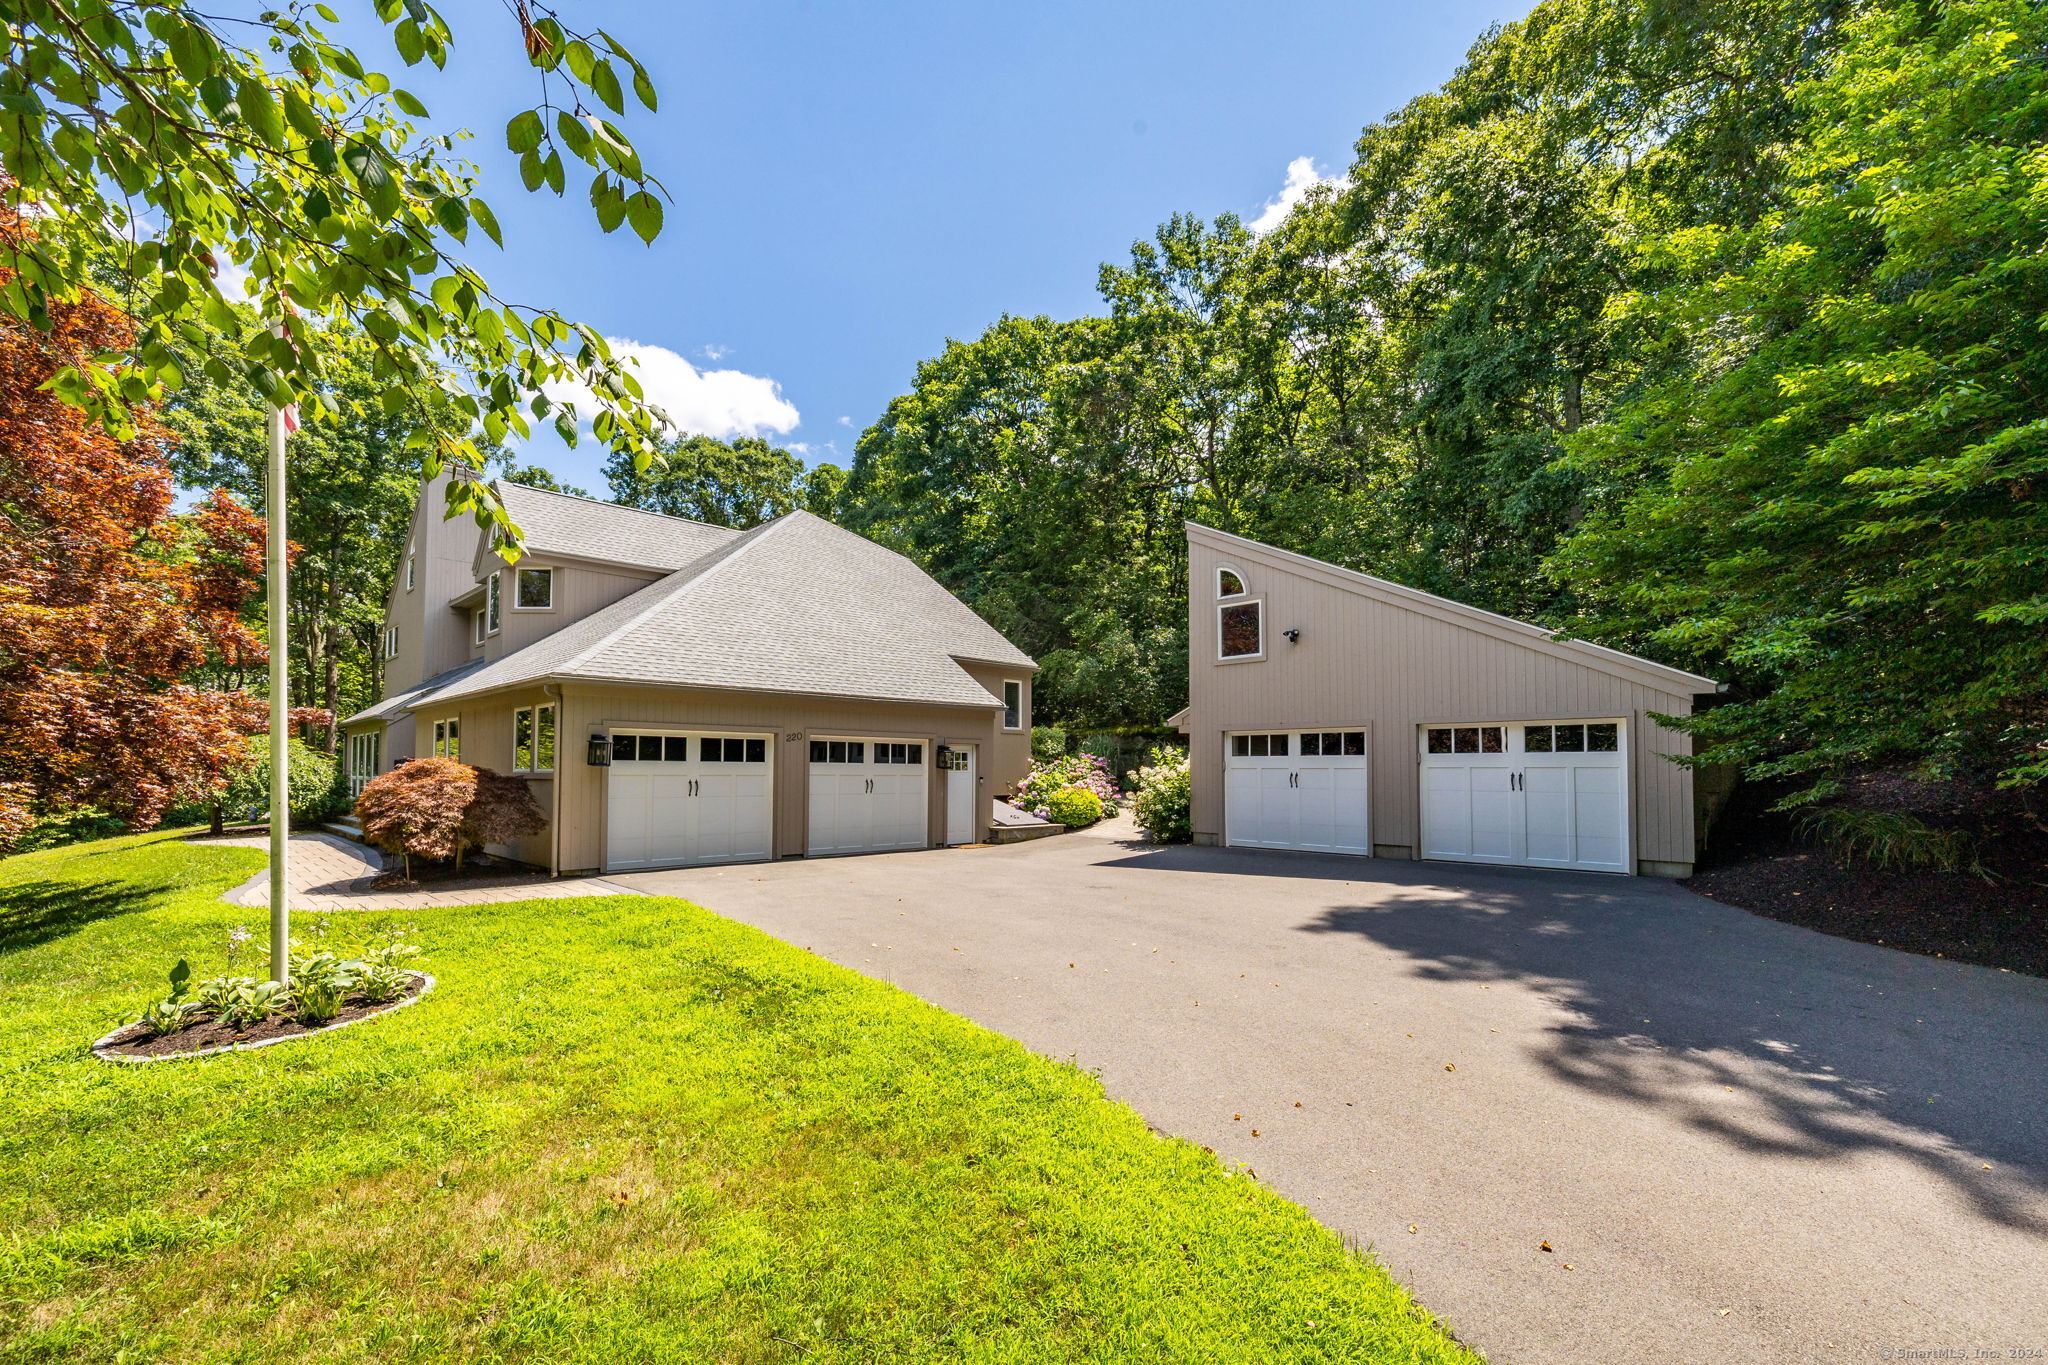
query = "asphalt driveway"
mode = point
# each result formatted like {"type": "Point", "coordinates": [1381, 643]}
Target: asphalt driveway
{"type": "Point", "coordinates": [1741, 1139]}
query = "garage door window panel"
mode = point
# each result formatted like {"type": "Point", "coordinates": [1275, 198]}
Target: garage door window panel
{"type": "Point", "coordinates": [1547, 794]}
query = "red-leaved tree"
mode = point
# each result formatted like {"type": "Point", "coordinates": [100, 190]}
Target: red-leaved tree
{"type": "Point", "coordinates": [108, 602]}
{"type": "Point", "coordinates": [438, 808]}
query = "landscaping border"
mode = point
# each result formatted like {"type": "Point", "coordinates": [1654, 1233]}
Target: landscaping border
{"type": "Point", "coordinates": [103, 1048]}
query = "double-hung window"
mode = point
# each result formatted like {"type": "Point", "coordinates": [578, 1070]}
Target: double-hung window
{"type": "Point", "coordinates": [533, 739]}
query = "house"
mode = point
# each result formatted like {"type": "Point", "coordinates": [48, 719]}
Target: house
{"type": "Point", "coordinates": [1340, 713]}
{"type": "Point", "coordinates": [676, 693]}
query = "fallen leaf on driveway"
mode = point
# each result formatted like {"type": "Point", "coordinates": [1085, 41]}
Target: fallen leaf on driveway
{"type": "Point", "coordinates": [1449, 1067]}
{"type": "Point", "coordinates": [1413, 1228]}
{"type": "Point", "coordinates": [1546, 1246]}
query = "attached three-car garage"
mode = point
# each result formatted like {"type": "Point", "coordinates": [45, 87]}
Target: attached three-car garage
{"type": "Point", "coordinates": [1467, 736]}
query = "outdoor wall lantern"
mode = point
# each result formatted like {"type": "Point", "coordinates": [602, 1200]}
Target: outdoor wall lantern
{"type": "Point", "coordinates": [1293, 636]}
{"type": "Point", "coordinates": [600, 755]}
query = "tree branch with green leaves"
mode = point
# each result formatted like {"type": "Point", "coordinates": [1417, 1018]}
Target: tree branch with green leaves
{"type": "Point", "coordinates": [170, 140]}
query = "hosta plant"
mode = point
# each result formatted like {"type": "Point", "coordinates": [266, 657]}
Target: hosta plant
{"type": "Point", "coordinates": [174, 1011]}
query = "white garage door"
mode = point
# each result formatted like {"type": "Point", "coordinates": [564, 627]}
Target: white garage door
{"type": "Point", "coordinates": [1300, 789]}
{"type": "Point", "coordinates": [1530, 793]}
{"type": "Point", "coordinates": [868, 796]}
{"type": "Point", "coordinates": [687, 798]}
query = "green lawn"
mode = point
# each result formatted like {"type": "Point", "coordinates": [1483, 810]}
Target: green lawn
{"type": "Point", "coordinates": [621, 1129]}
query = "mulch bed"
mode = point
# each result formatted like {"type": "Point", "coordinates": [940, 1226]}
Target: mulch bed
{"type": "Point", "coordinates": [1758, 859]}
{"type": "Point", "coordinates": [208, 1032]}
{"type": "Point", "coordinates": [478, 872]}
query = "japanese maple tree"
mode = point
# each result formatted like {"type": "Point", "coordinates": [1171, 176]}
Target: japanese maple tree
{"type": "Point", "coordinates": [108, 601]}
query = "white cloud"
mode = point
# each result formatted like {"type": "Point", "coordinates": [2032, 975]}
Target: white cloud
{"type": "Point", "coordinates": [846, 421]}
{"type": "Point", "coordinates": [1301, 178]}
{"type": "Point", "coordinates": [722, 403]}
{"type": "Point", "coordinates": [714, 352]}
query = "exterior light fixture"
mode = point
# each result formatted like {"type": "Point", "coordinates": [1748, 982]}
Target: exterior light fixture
{"type": "Point", "coordinates": [1293, 636]}
{"type": "Point", "coordinates": [600, 755]}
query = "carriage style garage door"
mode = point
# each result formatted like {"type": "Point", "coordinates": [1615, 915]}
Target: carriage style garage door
{"type": "Point", "coordinates": [1299, 789]}
{"type": "Point", "coordinates": [1535, 794]}
{"type": "Point", "coordinates": [868, 796]}
{"type": "Point", "coordinates": [687, 798]}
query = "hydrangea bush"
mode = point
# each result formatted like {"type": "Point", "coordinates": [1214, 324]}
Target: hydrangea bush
{"type": "Point", "coordinates": [1161, 805]}
{"type": "Point", "coordinates": [1087, 771]}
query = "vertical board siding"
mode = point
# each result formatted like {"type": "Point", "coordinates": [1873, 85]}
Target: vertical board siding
{"type": "Point", "coordinates": [1365, 661]}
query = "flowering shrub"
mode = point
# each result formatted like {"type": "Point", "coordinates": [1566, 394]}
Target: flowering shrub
{"type": "Point", "coordinates": [1161, 804]}
{"type": "Point", "coordinates": [1086, 771]}
{"type": "Point", "coordinates": [1074, 807]}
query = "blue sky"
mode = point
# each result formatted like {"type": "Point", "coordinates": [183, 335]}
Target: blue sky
{"type": "Point", "coordinates": [856, 184]}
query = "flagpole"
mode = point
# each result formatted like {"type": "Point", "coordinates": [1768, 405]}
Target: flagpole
{"type": "Point", "coordinates": [280, 713]}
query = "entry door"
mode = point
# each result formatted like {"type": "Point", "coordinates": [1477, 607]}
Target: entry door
{"type": "Point", "coordinates": [1297, 789]}
{"type": "Point", "coordinates": [1527, 793]}
{"type": "Point", "coordinates": [682, 798]}
{"type": "Point", "coordinates": [868, 795]}
{"type": "Point", "coordinates": [963, 799]}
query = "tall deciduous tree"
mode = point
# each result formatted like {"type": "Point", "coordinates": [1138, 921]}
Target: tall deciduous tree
{"type": "Point", "coordinates": [1845, 484]}
{"type": "Point", "coordinates": [739, 483]}
{"type": "Point", "coordinates": [108, 603]}
{"type": "Point", "coordinates": [348, 505]}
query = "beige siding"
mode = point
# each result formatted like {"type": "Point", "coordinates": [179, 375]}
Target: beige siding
{"type": "Point", "coordinates": [1364, 661]}
{"type": "Point", "coordinates": [580, 589]}
{"type": "Point", "coordinates": [1009, 757]}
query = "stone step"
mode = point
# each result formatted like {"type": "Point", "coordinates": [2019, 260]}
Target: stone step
{"type": "Point", "coordinates": [348, 827]}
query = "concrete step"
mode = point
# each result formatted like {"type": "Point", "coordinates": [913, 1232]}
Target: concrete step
{"type": "Point", "coordinates": [1018, 833]}
{"type": "Point", "coordinates": [348, 827]}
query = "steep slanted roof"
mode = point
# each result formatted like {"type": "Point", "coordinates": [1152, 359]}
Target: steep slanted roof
{"type": "Point", "coordinates": [564, 524]}
{"type": "Point", "coordinates": [797, 605]}
{"type": "Point", "coordinates": [399, 702]}
{"type": "Point", "coordinates": [1612, 661]}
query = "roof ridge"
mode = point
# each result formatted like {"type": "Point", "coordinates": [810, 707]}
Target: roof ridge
{"type": "Point", "coordinates": [615, 506]}
{"type": "Point", "coordinates": [696, 570]}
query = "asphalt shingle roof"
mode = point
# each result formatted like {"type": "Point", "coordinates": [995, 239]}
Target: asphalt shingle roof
{"type": "Point", "coordinates": [402, 701]}
{"type": "Point", "coordinates": [564, 524]}
{"type": "Point", "coordinates": [797, 605]}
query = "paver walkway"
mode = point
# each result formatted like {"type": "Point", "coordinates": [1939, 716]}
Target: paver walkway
{"type": "Point", "coordinates": [1743, 1141]}
{"type": "Point", "coordinates": [328, 873]}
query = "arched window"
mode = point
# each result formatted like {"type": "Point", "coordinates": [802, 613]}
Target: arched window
{"type": "Point", "coordinates": [1229, 583]}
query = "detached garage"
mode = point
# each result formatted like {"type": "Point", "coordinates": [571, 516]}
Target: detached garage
{"type": "Point", "coordinates": [1333, 712]}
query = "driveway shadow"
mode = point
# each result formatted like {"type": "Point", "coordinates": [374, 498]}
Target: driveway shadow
{"type": "Point", "coordinates": [1672, 1001]}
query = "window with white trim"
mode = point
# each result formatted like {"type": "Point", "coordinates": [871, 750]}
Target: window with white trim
{"type": "Point", "coordinates": [533, 590]}
{"type": "Point", "coordinates": [391, 642]}
{"type": "Point", "coordinates": [1013, 704]}
{"type": "Point", "coordinates": [476, 626]}
{"type": "Point", "coordinates": [533, 739]}
{"type": "Point", "coordinates": [448, 738]}
{"type": "Point", "coordinates": [494, 605]}
{"type": "Point", "coordinates": [1240, 630]}
{"type": "Point", "coordinates": [411, 555]}
{"type": "Point", "coordinates": [1229, 583]}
